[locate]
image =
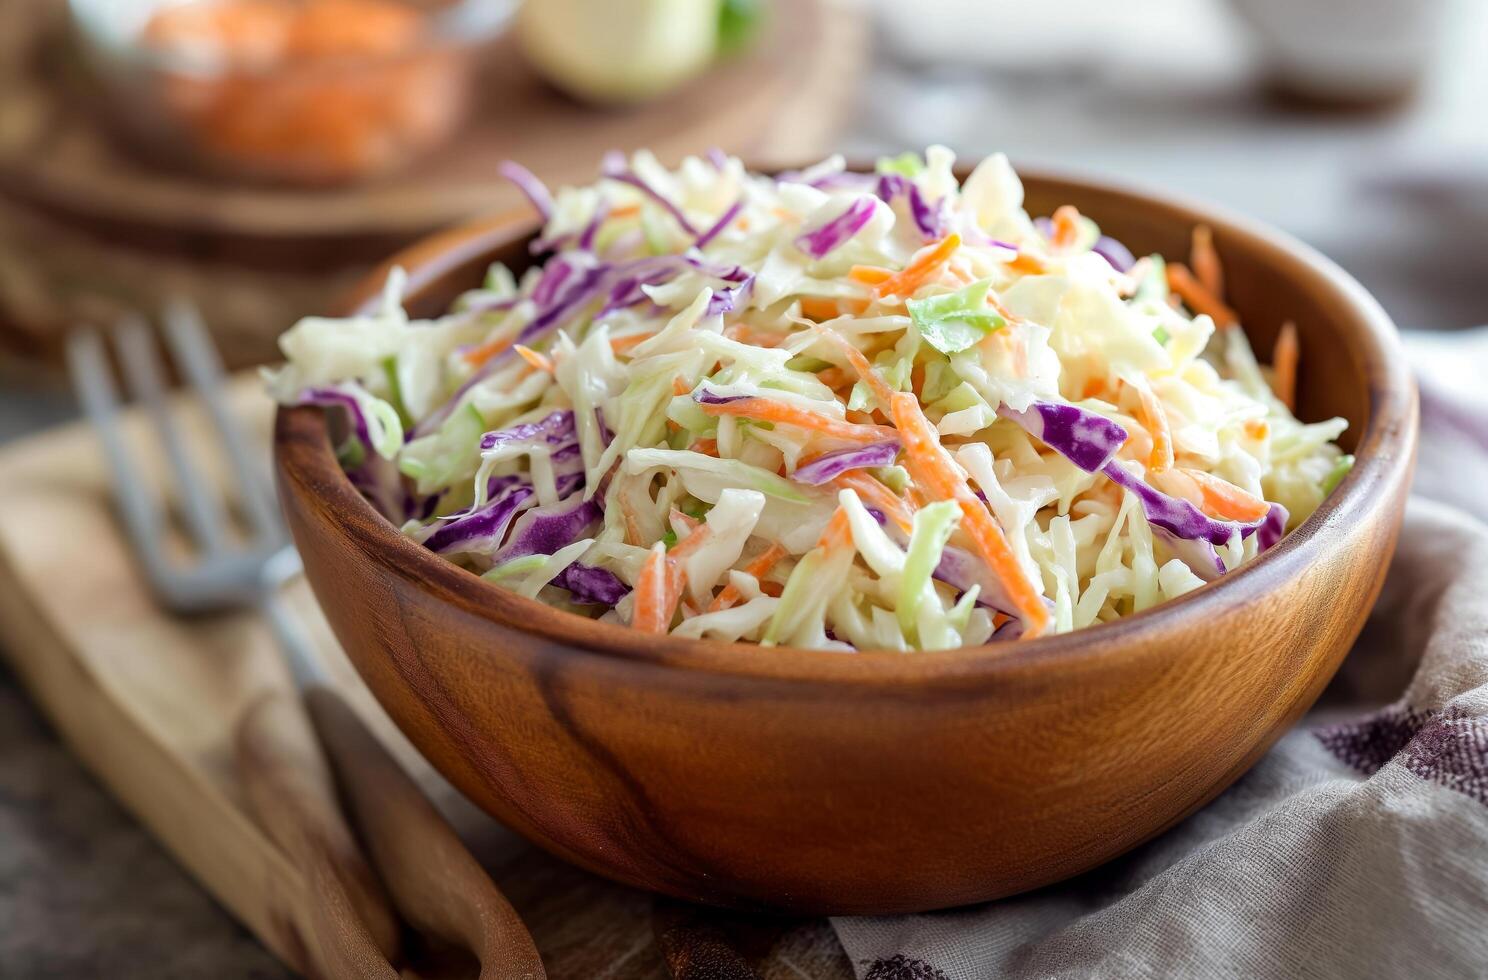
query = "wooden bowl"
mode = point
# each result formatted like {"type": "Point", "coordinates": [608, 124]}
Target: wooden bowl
{"type": "Point", "coordinates": [880, 782]}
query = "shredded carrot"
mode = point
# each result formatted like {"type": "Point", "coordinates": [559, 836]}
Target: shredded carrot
{"type": "Point", "coordinates": [870, 275]}
{"type": "Point", "coordinates": [819, 308]}
{"type": "Point", "coordinates": [837, 533]}
{"type": "Point", "coordinates": [539, 361]}
{"type": "Point", "coordinates": [1223, 499]}
{"type": "Point", "coordinates": [1197, 298]}
{"type": "Point", "coordinates": [1206, 261]}
{"type": "Point", "coordinates": [651, 612]}
{"type": "Point", "coordinates": [759, 568]}
{"type": "Point", "coordinates": [834, 377]}
{"type": "Point", "coordinates": [626, 211]}
{"type": "Point", "coordinates": [1155, 421]}
{"type": "Point", "coordinates": [1027, 264]}
{"type": "Point", "coordinates": [476, 356]}
{"type": "Point", "coordinates": [874, 494]}
{"type": "Point", "coordinates": [789, 217]}
{"type": "Point", "coordinates": [860, 364]}
{"type": "Point", "coordinates": [620, 345]}
{"type": "Point", "coordinates": [1066, 228]}
{"type": "Point", "coordinates": [708, 447]}
{"type": "Point", "coordinates": [769, 411]}
{"type": "Point", "coordinates": [695, 539]}
{"type": "Point", "coordinates": [680, 386]}
{"type": "Point", "coordinates": [679, 519]}
{"type": "Point", "coordinates": [926, 264]}
{"type": "Point", "coordinates": [773, 589]}
{"type": "Point", "coordinates": [1257, 428]}
{"type": "Point", "coordinates": [1284, 357]}
{"type": "Point", "coordinates": [1094, 386]}
{"type": "Point", "coordinates": [937, 474]}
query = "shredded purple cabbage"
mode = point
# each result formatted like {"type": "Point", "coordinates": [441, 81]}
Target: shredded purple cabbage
{"type": "Point", "coordinates": [482, 529]}
{"type": "Point", "coordinates": [731, 298]}
{"type": "Point", "coordinates": [929, 220]}
{"type": "Point", "coordinates": [1114, 252]}
{"type": "Point", "coordinates": [707, 396]}
{"type": "Point", "coordinates": [528, 183]}
{"type": "Point", "coordinates": [556, 429]}
{"type": "Point", "coordinates": [544, 530]}
{"type": "Point", "coordinates": [591, 585]}
{"type": "Point", "coordinates": [615, 168]}
{"type": "Point", "coordinates": [1084, 438]}
{"type": "Point", "coordinates": [1173, 514]}
{"type": "Point", "coordinates": [1198, 554]}
{"type": "Point", "coordinates": [830, 236]}
{"type": "Point", "coordinates": [1273, 527]}
{"type": "Point", "coordinates": [724, 220]}
{"type": "Point", "coordinates": [828, 466]}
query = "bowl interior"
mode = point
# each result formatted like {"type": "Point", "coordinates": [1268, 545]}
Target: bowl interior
{"type": "Point", "coordinates": [1350, 366]}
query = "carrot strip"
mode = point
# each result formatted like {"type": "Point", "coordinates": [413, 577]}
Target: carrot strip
{"type": "Point", "coordinates": [860, 364]}
{"type": "Point", "coordinates": [1066, 228]}
{"type": "Point", "coordinates": [1197, 298]}
{"type": "Point", "coordinates": [684, 520]}
{"type": "Point", "coordinates": [1028, 265]}
{"type": "Point", "coordinates": [1284, 357]}
{"type": "Point", "coordinates": [651, 613]}
{"type": "Point", "coordinates": [879, 497]}
{"type": "Point", "coordinates": [768, 411]}
{"type": "Point", "coordinates": [869, 275]}
{"type": "Point", "coordinates": [680, 386]}
{"type": "Point", "coordinates": [1223, 499]}
{"type": "Point", "coordinates": [708, 447]}
{"type": "Point", "coordinates": [937, 474]}
{"type": "Point", "coordinates": [1155, 421]}
{"type": "Point", "coordinates": [620, 345]}
{"type": "Point", "coordinates": [819, 308]}
{"type": "Point", "coordinates": [541, 362]}
{"type": "Point", "coordinates": [759, 568]}
{"type": "Point", "coordinates": [922, 268]}
{"type": "Point", "coordinates": [837, 533]}
{"type": "Point", "coordinates": [1205, 259]}
{"type": "Point", "coordinates": [1257, 428]}
{"type": "Point", "coordinates": [695, 540]}
{"type": "Point", "coordinates": [626, 211]}
{"type": "Point", "coordinates": [476, 356]}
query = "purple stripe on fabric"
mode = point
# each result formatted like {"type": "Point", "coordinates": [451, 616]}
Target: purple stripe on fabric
{"type": "Point", "coordinates": [1448, 747]}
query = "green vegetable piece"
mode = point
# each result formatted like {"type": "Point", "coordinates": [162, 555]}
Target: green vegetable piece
{"type": "Point", "coordinates": [933, 525]}
{"type": "Point", "coordinates": [952, 322]}
{"type": "Point", "coordinates": [1162, 336]}
{"type": "Point", "coordinates": [669, 538]}
{"type": "Point", "coordinates": [738, 22]}
{"type": "Point", "coordinates": [1340, 470]}
{"type": "Point", "coordinates": [905, 164]}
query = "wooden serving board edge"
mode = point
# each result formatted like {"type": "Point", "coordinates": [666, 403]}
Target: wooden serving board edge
{"type": "Point", "coordinates": [171, 798]}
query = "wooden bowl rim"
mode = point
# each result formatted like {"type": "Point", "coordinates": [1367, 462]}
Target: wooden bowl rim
{"type": "Point", "coordinates": [1384, 456]}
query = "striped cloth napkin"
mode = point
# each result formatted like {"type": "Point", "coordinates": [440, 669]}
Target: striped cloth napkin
{"type": "Point", "coordinates": [1358, 847]}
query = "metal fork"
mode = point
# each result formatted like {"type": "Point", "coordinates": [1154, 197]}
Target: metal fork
{"type": "Point", "coordinates": [348, 918]}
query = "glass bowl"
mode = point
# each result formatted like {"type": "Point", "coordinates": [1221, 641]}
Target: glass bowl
{"type": "Point", "coordinates": [311, 92]}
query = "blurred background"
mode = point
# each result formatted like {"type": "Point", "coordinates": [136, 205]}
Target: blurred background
{"type": "Point", "coordinates": [256, 156]}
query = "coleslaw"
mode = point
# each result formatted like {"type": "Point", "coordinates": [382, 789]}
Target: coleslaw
{"type": "Point", "coordinates": [825, 409]}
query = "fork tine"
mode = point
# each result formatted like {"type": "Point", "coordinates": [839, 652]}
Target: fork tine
{"type": "Point", "coordinates": [198, 360]}
{"type": "Point", "coordinates": [92, 379]}
{"type": "Point", "coordinates": [203, 513]}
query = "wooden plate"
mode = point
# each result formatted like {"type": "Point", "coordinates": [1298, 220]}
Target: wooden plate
{"type": "Point", "coordinates": [86, 230]}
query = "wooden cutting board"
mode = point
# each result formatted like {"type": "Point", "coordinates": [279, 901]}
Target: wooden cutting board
{"type": "Point", "coordinates": [148, 703]}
